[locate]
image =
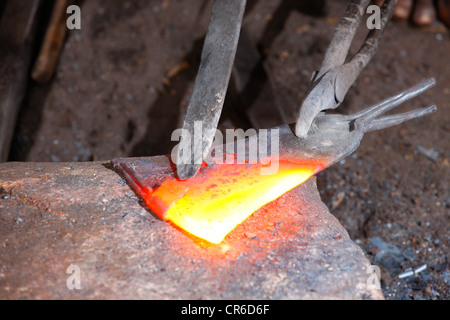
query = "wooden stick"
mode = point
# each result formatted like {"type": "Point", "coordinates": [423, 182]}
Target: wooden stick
{"type": "Point", "coordinates": [53, 42]}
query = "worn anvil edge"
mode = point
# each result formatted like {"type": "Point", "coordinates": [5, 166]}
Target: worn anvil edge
{"type": "Point", "coordinates": [107, 201]}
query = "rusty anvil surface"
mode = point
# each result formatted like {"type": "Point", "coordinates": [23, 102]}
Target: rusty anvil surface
{"type": "Point", "coordinates": [56, 215]}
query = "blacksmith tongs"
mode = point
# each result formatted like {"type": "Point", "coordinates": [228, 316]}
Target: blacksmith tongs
{"type": "Point", "coordinates": [330, 138]}
{"type": "Point", "coordinates": [330, 84]}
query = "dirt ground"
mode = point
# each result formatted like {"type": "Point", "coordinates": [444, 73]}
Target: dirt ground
{"type": "Point", "coordinates": [124, 80]}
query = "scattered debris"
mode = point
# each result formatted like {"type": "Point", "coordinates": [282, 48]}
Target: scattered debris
{"type": "Point", "coordinates": [183, 65]}
{"type": "Point", "coordinates": [429, 153]}
{"type": "Point", "coordinates": [446, 277]}
{"type": "Point", "coordinates": [337, 199]}
{"type": "Point", "coordinates": [386, 254]}
{"type": "Point", "coordinates": [18, 220]}
{"type": "Point", "coordinates": [410, 272]}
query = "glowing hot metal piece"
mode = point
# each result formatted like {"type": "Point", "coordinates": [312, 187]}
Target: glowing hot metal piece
{"type": "Point", "coordinates": [213, 203]}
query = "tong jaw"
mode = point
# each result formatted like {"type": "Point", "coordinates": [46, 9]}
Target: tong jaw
{"type": "Point", "coordinates": [334, 137]}
{"type": "Point", "coordinates": [330, 84]}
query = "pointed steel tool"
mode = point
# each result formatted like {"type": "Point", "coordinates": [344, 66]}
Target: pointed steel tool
{"type": "Point", "coordinates": [211, 85]}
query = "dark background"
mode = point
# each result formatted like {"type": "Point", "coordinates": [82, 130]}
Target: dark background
{"type": "Point", "coordinates": [124, 81]}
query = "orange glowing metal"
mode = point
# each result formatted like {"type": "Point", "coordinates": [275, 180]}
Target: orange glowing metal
{"type": "Point", "coordinates": [220, 197]}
